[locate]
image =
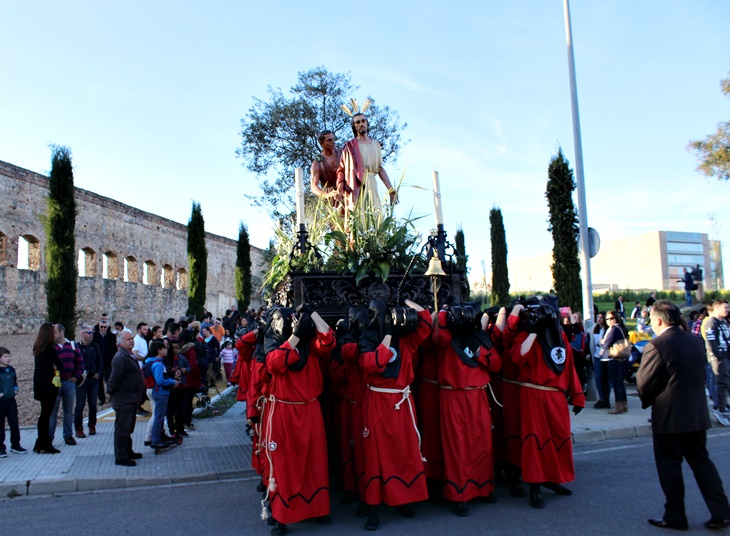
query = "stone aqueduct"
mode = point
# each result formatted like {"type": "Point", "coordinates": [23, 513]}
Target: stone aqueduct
{"type": "Point", "coordinates": [132, 264]}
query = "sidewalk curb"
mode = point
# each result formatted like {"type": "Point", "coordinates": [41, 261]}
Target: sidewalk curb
{"type": "Point", "coordinates": [628, 432]}
{"type": "Point", "coordinates": [10, 490]}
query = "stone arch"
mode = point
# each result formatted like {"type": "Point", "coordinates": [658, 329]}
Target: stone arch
{"type": "Point", "coordinates": [167, 278]}
{"type": "Point", "coordinates": [181, 279]}
{"type": "Point", "coordinates": [131, 274]}
{"type": "Point", "coordinates": [29, 253]}
{"type": "Point", "coordinates": [87, 262]}
{"type": "Point", "coordinates": [109, 265]}
{"type": "Point", "coordinates": [149, 272]}
{"type": "Point", "coordinates": [4, 253]}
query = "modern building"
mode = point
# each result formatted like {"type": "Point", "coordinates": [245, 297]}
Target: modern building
{"type": "Point", "coordinates": [647, 261]}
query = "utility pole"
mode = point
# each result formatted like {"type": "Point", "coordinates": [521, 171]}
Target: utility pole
{"type": "Point", "coordinates": [585, 259]}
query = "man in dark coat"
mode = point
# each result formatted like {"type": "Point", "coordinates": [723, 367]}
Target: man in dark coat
{"type": "Point", "coordinates": [672, 380]}
{"type": "Point", "coordinates": [126, 387]}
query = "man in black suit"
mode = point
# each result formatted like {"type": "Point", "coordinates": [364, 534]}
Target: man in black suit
{"type": "Point", "coordinates": [672, 380]}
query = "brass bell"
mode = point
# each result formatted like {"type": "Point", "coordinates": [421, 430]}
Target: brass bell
{"type": "Point", "coordinates": [434, 267]}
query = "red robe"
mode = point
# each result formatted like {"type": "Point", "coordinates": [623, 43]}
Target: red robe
{"type": "Point", "coordinates": [342, 446]}
{"type": "Point", "coordinates": [394, 472]}
{"type": "Point", "coordinates": [355, 395]}
{"type": "Point", "coordinates": [242, 373]}
{"type": "Point", "coordinates": [466, 423]}
{"type": "Point", "coordinates": [257, 393]}
{"type": "Point", "coordinates": [512, 430]}
{"type": "Point", "coordinates": [427, 403]}
{"type": "Point", "coordinates": [547, 449]}
{"type": "Point", "coordinates": [296, 446]}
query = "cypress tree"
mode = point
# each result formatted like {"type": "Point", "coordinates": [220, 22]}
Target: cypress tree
{"type": "Point", "coordinates": [564, 227]}
{"type": "Point", "coordinates": [197, 262]}
{"type": "Point", "coordinates": [500, 274]}
{"type": "Point", "coordinates": [60, 225]}
{"type": "Point", "coordinates": [462, 259]}
{"type": "Point", "coordinates": [243, 269]}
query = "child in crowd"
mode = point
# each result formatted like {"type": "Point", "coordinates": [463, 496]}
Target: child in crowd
{"type": "Point", "coordinates": [8, 405]}
{"type": "Point", "coordinates": [161, 385]}
{"type": "Point", "coordinates": [228, 357]}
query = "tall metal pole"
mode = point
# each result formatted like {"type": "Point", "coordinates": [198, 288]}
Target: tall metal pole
{"type": "Point", "coordinates": [585, 259]}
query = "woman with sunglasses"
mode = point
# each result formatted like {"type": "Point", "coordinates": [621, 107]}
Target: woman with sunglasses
{"type": "Point", "coordinates": [614, 334]}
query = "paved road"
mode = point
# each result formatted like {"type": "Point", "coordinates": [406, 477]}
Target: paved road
{"type": "Point", "coordinates": [615, 491]}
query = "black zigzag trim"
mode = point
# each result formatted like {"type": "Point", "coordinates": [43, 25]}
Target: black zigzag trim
{"type": "Point", "coordinates": [308, 501]}
{"type": "Point", "coordinates": [540, 447]}
{"type": "Point", "coordinates": [394, 477]}
{"type": "Point", "coordinates": [468, 481]}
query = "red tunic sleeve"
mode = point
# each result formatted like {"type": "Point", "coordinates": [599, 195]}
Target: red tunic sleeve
{"type": "Point", "coordinates": [489, 359]}
{"type": "Point", "coordinates": [442, 335]}
{"type": "Point", "coordinates": [375, 362]}
{"type": "Point", "coordinates": [278, 360]}
{"type": "Point", "coordinates": [510, 333]}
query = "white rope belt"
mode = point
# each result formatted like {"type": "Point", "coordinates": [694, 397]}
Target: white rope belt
{"type": "Point", "coordinates": [406, 398]}
{"type": "Point", "coordinates": [474, 389]}
{"type": "Point", "coordinates": [531, 385]}
{"type": "Point", "coordinates": [429, 380]}
{"type": "Point", "coordinates": [462, 388]}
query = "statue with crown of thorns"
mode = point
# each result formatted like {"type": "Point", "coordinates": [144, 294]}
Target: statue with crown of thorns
{"type": "Point", "coordinates": [361, 162]}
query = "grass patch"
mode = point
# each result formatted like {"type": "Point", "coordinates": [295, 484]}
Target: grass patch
{"type": "Point", "coordinates": [218, 408]}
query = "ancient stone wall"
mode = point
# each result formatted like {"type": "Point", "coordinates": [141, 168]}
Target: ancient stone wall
{"type": "Point", "coordinates": [133, 264]}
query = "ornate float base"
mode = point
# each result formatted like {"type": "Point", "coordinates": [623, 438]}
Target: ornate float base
{"type": "Point", "coordinates": [332, 294]}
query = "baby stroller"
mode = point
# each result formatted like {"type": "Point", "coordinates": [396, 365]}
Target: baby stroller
{"type": "Point", "coordinates": [634, 361]}
{"type": "Point", "coordinates": [203, 397]}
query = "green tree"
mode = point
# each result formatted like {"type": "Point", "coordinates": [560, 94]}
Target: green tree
{"type": "Point", "coordinates": [197, 262]}
{"type": "Point", "coordinates": [60, 225]}
{"type": "Point", "coordinates": [500, 274]}
{"type": "Point", "coordinates": [564, 227]}
{"type": "Point", "coordinates": [243, 268]}
{"type": "Point", "coordinates": [462, 259]}
{"type": "Point", "coordinates": [280, 133]}
{"type": "Point", "coordinates": [714, 151]}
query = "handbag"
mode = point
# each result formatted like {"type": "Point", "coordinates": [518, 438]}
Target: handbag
{"type": "Point", "coordinates": [621, 350]}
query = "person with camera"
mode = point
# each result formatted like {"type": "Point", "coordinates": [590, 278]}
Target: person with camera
{"type": "Point", "coordinates": [546, 375]}
{"type": "Point", "coordinates": [394, 472]}
{"type": "Point", "coordinates": [466, 358]}
{"type": "Point", "coordinates": [297, 344]}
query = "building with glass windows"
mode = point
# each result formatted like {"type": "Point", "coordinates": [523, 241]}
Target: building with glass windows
{"type": "Point", "coordinates": [647, 261]}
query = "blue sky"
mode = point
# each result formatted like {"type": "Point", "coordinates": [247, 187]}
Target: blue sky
{"type": "Point", "coordinates": [149, 97]}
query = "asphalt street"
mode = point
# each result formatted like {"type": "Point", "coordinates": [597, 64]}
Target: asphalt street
{"type": "Point", "coordinates": [615, 491]}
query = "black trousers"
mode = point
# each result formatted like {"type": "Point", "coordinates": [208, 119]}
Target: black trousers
{"type": "Point", "coordinates": [176, 411]}
{"type": "Point", "coordinates": [126, 417]}
{"type": "Point", "coordinates": [9, 410]}
{"type": "Point", "coordinates": [43, 441]}
{"type": "Point", "coordinates": [669, 451]}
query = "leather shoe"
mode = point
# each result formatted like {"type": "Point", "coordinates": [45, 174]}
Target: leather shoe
{"type": "Point", "coordinates": [557, 488]}
{"type": "Point", "coordinates": [536, 500]}
{"type": "Point", "coordinates": [69, 441]}
{"type": "Point", "coordinates": [461, 509]}
{"type": "Point", "coordinates": [717, 524]}
{"type": "Point", "coordinates": [135, 455]}
{"type": "Point", "coordinates": [126, 463]}
{"type": "Point", "coordinates": [659, 522]}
